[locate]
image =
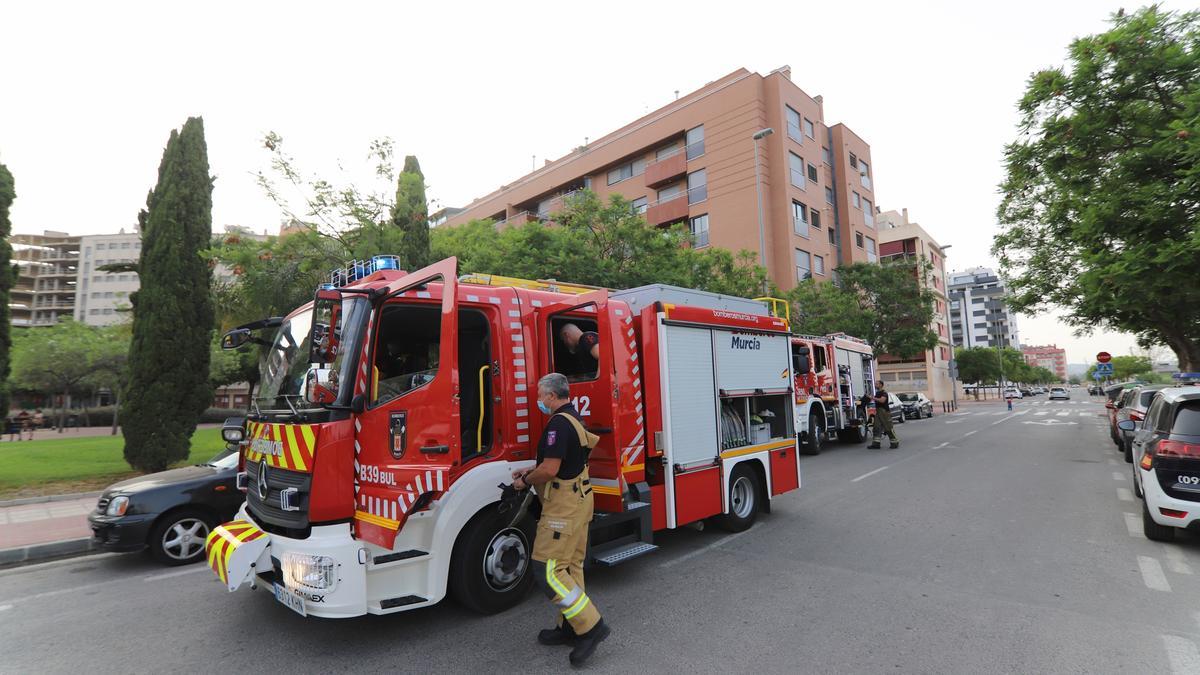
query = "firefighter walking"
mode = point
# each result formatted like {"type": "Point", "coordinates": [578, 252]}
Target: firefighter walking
{"type": "Point", "coordinates": [559, 548]}
{"type": "Point", "coordinates": [883, 419]}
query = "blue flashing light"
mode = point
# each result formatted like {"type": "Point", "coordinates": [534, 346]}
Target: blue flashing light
{"type": "Point", "coordinates": [328, 287]}
{"type": "Point", "coordinates": [385, 262]}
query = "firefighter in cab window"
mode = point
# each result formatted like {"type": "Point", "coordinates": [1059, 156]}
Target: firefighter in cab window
{"type": "Point", "coordinates": [584, 347]}
{"type": "Point", "coordinates": [560, 545]}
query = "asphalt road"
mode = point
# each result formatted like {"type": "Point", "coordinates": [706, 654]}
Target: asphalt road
{"type": "Point", "coordinates": [988, 542]}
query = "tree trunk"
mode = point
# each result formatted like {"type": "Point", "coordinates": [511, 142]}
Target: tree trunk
{"type": "Point", "coordinates": [116, 408]}
{"type": "Point", "coordinates": [1187, 351]}
{"type": "Point", "coordinates": [62, 411]}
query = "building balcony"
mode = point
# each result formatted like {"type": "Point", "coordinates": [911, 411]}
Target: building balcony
{"type": "Point", "coordinates": [668, 210]}
{"type": "Point", "coordinates": [666, 169]}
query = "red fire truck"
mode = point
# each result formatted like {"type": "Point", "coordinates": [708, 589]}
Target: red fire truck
{"type": "Point", "coordinates": [393, 407]}
{"type": "Point", "coordinates": [832, 372]}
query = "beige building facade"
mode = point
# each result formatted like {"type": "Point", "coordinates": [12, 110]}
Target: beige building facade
{"type": "Point", "coordinates": [929, 374]}
{"type": "Point", "coordinates": [694, 161]}
{"type": "Point", "coordinates": [47, 271]}
{"type": "Point", "coordinates": [103, 297]}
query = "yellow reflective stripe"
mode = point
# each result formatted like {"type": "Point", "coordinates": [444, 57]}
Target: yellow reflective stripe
{"type": "Point", "coordinates": [377, 520]}
{"type": "Point", "coordinates": [247, 534]}
{"type": "Point", "coordinates": [575, 609]}
{"type": "Point", "coordinates": [310, 439]}
{"type": "Point", "coordinates": [552, 579]}
{"type": "Point", "coordinates": [293, 449]}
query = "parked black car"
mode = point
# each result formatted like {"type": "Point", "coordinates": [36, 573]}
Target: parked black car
{"type": "Point", "coordinates": [915, 405]}
{"type": "Point", "coordinates": [171, 512]}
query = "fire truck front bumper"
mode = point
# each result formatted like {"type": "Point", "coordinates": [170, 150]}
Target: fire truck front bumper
{"type": "Point", "coordinates": [323, 575]}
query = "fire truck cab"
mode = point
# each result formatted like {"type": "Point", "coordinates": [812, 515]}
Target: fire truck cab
{"type": "Point", "coordinates": [832, 373]}
{"type": "Point", "coordinates": [393, 408]}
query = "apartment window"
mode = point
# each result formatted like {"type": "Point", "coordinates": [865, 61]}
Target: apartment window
{"type": "Point", "coordinates": [853, 161]}
{"type": "Point", "coordinates": [108, 310]}
{"type": "Point", "coordinates": [87, 251]}
{"type": "Point", "coordinates": [864, 173]}
{"type": "Point", "coordinates": [793, 124]}
{"type": "Point", "coordinates": [979, 312]}
{"type": "Point", "coordinates": [667, 150]}
{"type": "Point", "coordinates": [814, 216]}
{"type": "Point", "coordinates": [108, 294]}
{"type": "Point", "coordinates": [124, 244]}
{"type": "Point", "coordinates": [812, 173]}
{"type": "Point", "coordinates": [697, 182]}
{"type": "Point", "coordinates": [700, 231]}
{"type": "Point", "coordinates": [97, 278]}
{"type": "Point", "coordinates": [809, 129]}
{"type": "Point", "coordinates": [828, 195]}
{"type": "Point", "coordinates": [695, 142]}
{"type": "Point", "coordinates": [121, 294]}
{"type": "Point", "coordinates": [872, 254]}
{"type": "Point", "coordinates": [639, 205]}
{"type": "Point", "coordinates": [796, 164]}
{"type": "Point", "coordinates": [858, 239]}
{"type": "Point", "coordinates": [93, 311]}
{"type": "Point", "coordinates": [981, 325]}
{"type": "Point", "coordinates": [800, 219]}
{"type": "Point", "coordinates": [96, 295]}
{"type": "Point", "coordinates": [100, 246]}
{"type": "Point", "coordinates": [826, 157]}
{"type": "Point", "coordinates": [832, 236]}
{"type": "Point", "coordinates": [669, 192]}
{"type": "Point", "coordinates": [977, 301]}
{"type": "Point", "coordinates": [819, 265]}
{"type": "Point", "coordinates": [803, 265]}
{"type": "Point", "coordinates": [137, 244]}
{"type": "Point", "coordinates": [856, 199]}
{"type": "Point", "coordinates": [869, 210]}
{"type": "Point", "coordinates": [628, 170]}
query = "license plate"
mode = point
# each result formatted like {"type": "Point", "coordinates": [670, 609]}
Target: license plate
{"type": "Point", "coordinates": [290, 600]}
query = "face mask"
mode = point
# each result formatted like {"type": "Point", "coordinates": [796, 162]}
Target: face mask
{"type": "Point", "coordinates": [544, 408]}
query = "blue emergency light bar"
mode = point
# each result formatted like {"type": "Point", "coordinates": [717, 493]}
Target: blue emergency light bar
{"type": "Point", "coordinates": [359, 269]}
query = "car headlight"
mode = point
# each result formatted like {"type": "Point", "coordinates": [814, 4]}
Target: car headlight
{"type": "Point", "coordinates": [318, 572]}
{"type": "Point", "coordinates": [118, 506]}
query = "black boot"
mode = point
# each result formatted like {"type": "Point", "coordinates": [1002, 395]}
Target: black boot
{"type": "Point", "coordinates": [559, 635]}
{"type": "Point", "coordinates": [873, 446]}
{"type": "Point", "coordinates": [894, 445]}
{"type": "Point", "coordinates": [586, 644]}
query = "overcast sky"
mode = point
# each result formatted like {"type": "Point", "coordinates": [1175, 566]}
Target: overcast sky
{"type": "Point", "coordinates": [90, 92]}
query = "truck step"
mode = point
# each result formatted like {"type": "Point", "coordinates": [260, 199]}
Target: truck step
{"type": "Point", "coordinates": [392, 603]}
{"type": "Point", "coordinates": [397, 557]}
{"type": "Point", "coordinates": [624, 553]}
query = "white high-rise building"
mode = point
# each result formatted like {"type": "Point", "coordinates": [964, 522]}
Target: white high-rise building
{"type": "Point", "coordinates": [979, 314]}
{"type": "Point", "coordinates": [103, 297]}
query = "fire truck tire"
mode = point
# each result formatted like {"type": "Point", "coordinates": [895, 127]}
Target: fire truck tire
{"type": "Point", "coordinates": [816, 434]}
{"type": "Point", "coordinates": [745, 492]}
{"type": "Point", "coordinates": [489, 569]}
{"type": "Point", "coordinates": [177, 538]}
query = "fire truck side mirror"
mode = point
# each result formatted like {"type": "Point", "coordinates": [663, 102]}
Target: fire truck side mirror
{"type": "Point", "coordinates": [235, 338]}
{"type": "Point", "coordinates": [800, 363]}
{"type": "Point", "coordinates": [321, 386]}
{"type": "Point", "coordinates": [326, 332]}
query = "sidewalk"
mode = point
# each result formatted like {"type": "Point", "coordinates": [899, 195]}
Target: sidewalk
{"type": "Point", "coordinates": [82, 432]}
{"type": "Point", "coordinates": [31, 532]}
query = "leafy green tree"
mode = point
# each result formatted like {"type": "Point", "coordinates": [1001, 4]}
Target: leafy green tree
{"type": "Point", "coordinates": [110, 364]}
{"type": "Point", "coordinates": [410, 214]}
{"type": "Point", "coordinates": [1099, 205]}
{"type": "Point", "coordinates": [271, 277]}
{"type": "Point", "coordinates": [172, 311]}
{"type": "Point", "coordinates": [885, 304]}
{"type": "Point", "coordinates": [55, 361]}
{"type": "Point", "coordinates": [977, 365]}
{"type": "Point", "coordinates": [8, 277]}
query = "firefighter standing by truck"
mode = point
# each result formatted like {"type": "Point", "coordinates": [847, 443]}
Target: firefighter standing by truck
{"type": "Point", "coordinates": [883, 419]}
{"type": "Point", "coordinates": [560, 546]}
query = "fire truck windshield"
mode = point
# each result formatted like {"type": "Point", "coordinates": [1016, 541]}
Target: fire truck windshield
{"type": "Point", "coordinates": [286, 364]}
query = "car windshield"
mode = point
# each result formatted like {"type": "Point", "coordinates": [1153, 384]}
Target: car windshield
{"type": "Point", "coordinates": [908, 398]}
{"type": "Point", "coordinates": [226, 459]}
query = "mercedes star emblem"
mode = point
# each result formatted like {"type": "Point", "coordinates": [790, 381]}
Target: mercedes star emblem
{"type": "Point", "coordinates": [262, 480]}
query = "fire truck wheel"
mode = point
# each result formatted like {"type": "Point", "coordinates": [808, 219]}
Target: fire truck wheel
{"type": "Point", "coordinates": [744, 493]}
{"type": "Point", "coordinates": [178, 537]}
{"type": "Point", "coordinates": [489, 571]}
{"type": "Point", "coordinates": [816, 434]}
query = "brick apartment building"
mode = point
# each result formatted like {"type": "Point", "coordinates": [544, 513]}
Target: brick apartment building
{"type": "Point", "coordinates": [693, 161]}
{"type": "Point", "coordinates": [1050, 357]}
{"type": "Point", "coordinates": [930, 373]}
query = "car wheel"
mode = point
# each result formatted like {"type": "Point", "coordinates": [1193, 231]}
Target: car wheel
{"type": "Point", "coordinates": [489, 569]}
{"type": "Point", "coordinates": [816, 434]}
{"type": "Point", "coordinates": [1154, 531]}
{"type": "Point", "coordinates": [743, 500]}
{"type": "Point", "coordinates": [178, 537]}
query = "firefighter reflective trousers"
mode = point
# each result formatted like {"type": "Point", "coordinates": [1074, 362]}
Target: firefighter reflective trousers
{"type": "Point", "coordinates": [883, 425]}
{"type": "Point", "coordinates": [560, 546]}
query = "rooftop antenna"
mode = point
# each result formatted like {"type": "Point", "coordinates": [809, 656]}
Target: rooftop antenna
{"type": "Point", "coordinates": [533, 163]}
{"type": "Point", "coordinates": [676, 94]}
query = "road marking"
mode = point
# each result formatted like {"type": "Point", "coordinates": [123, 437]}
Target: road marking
{"type": "Point", "coordinates": [1002, 412]}
{"type": "Point", "coordinates": [867, 474]}
{"type": "Point", "coordinates": [1062, 414]}
{"type": "Point", "coordinates": [942, 445]}
{"type": "Point", "coordinates": [1176, 561]}
{"type": "Point", "coordinates": [1134, 525]}
{"type": "Point", "coordinates": [953, 421]}
{"type": "Point", "coordinates": [710, 547]}
{"type": "Point", "coordinates": [1042, 412]}
{"type": "Point", "coordinates": [1152, 574]}
{"type": "Point", "coordinates": [1182, 654]}
{"type": "Point", "coordinates": [1125, 494]}
{"type": "Point", "coordinates": [970, 432]}
{"type": "Point", "coordinates": [1085, 414]}
{"type": "Point", "coordinates": [5, 607]}
{"type": "Point", "coordinates": [177, 573]}
{"type": "Point", "coordinates": [1117, 475]}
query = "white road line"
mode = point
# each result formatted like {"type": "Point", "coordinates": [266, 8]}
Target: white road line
{"type": "Point", "coordinates": [1176, 561]}
{"type": "Point", "coordinates": [4, 607]}
{"type": "Point", "coordinates": [970, 432]}
{"type": "Point", "coordinates": [1134, 524]}
{"type": "Point", "coordinates": [1002, 412]}
{"type": "Point", "coordinates": [942, 445]}
{"type": "Point", "coordinates": [1117, 475]}
{"type": "Point", "coordinates": [177, 573]}
{"type": "Point", "coordinates": [867, 474]}
{"type": "Point", "coordinates": [1059, 414]}
{"type": "Point", "coordinates": [710, 547]}
{"type": "Point", "coordinates": [1084, 414]}
{"type": "Point", "coordinates": [1152, 575]}
{"type": "Point", "coordinates": [1042, 412]}
{"type": "Point", "coordinates": [1125, 494]}
{"type": "Point", "coordinates": [1182, 654]}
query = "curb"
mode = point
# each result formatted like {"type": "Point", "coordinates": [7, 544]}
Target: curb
{"type": "Point", "coordinates": [49, 498]}
{"type": "Point", "coordinates": [23, 555]}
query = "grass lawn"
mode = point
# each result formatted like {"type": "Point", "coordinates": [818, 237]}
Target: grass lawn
{"type": "Point", "coordinates": [59, 465]}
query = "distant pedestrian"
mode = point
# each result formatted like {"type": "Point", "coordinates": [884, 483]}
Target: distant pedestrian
{"type": "Point", "coordinates": [39, 421]}
{"type": "Point", "coordinates": [883, 418]}
{"type": "Point", "coordinates": [24, 424]}
{"type": "Point", "coordinates": [14, 429]}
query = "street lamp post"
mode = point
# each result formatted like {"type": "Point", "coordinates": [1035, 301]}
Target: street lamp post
{"type": "Point", "coordinates": [762, 242]}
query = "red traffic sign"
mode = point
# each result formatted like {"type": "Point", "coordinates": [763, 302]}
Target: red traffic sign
{"type": "Point", "coordinates": [1104, 357]}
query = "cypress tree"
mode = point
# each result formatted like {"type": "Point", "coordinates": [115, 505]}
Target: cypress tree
{"type": "Point", "coordinates": [168, 385]}
{"type": "Point", "coordinates": [411, 215]}
{"type": "Point", "coordinates": [8, 277]}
